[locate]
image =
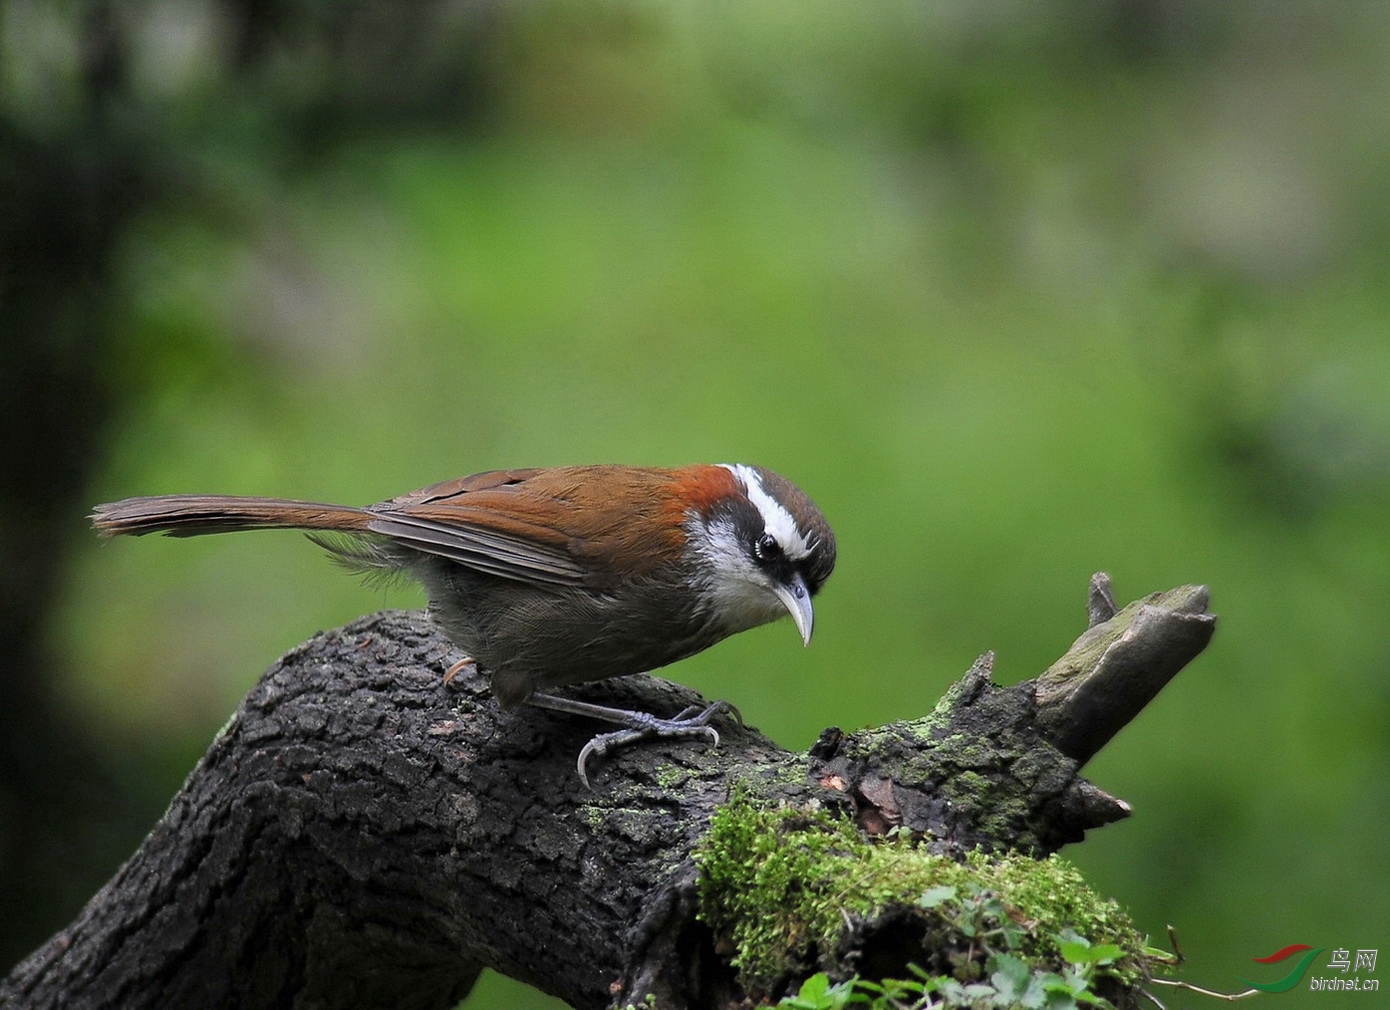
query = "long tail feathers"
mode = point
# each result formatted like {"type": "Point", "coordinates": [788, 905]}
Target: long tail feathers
{"type": "Point", "coordinates": [194, 515]}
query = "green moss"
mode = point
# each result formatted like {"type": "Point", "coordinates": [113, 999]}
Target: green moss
{"type": "Point", "coordinates": [783, 885]}
{"type": "Point", "coordinates": [671, 776]}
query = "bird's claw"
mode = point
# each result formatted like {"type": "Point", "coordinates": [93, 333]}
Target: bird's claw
{"type": "Point", "coordinates": [458, 668]}
{"type": "Point", "coordinates": [689, 722]}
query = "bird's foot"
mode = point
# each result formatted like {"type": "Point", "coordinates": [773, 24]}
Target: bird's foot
{"type": "Point", "coordinates": [690, 722]}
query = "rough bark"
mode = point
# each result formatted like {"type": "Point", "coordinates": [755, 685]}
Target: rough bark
{"type": "Point", "coordinates": [362, 834]}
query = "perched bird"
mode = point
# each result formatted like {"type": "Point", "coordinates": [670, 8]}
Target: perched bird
{"type": "Point", "coordinates": [547, 577]}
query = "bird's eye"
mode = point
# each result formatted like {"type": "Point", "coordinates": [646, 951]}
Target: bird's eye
{"type": "Point", "coordinates": [767, 547]}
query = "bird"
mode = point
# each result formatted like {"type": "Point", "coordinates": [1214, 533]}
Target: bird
{"type": "Point", "coordinates": [554, 576]}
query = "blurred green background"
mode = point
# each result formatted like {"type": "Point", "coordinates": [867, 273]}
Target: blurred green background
{"type": "Point", "coordinates": [1016, 291]}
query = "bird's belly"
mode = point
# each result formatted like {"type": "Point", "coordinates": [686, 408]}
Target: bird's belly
{"type": "Point", "coordinates": [529, 639]}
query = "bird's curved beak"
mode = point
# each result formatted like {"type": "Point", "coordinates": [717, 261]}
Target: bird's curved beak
{"type": "Point", "coordinates": [797, 599]}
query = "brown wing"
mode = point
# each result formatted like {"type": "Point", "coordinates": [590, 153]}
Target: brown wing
{"type": "Point", "coordinates": [562, 526]}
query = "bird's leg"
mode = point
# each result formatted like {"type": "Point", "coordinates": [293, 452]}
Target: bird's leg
{"type": "Point", "coordinates": [690, 722]}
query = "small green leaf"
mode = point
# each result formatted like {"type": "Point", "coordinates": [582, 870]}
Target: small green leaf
{"type": "Point", "coordinates": [1076, 953]}
{"type": "Point", "coordinates": [934, 896]}
{"type": "Point", "coordinates": [1081, 953]}
{"type": "Point", "coordinates": [1035, 996]}
{"type": "Point", "coordinates": [1102, 953]}
{"type": "Point", "coordinates": [1010, 974]}
{"type": "Point", "coordinates": [953, 993]}
{"type": "Point", "coordinates": [1054, 983]}
{"type": "Point", "coordinates": [811, 996]}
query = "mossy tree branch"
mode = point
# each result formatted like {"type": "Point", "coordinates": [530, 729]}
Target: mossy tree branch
{"type": "Point", "coordinates": [361, 834]}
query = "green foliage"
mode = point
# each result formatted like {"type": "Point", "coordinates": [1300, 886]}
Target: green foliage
{"type": "Point", "coordinates": [783, 886]}
{"type": "Point", "coordinates": [1010, 982]}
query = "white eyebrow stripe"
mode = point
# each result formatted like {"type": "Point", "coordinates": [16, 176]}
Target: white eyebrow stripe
{"type": "Point", "coordinates": [776, 519]}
